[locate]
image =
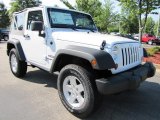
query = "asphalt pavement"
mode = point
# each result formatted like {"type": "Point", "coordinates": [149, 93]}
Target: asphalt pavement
{"type": "Point", "coordinates": [35, 97]}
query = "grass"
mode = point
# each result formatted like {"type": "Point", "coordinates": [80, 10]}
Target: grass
{"type": "Point", "coordinates": [152, 51]}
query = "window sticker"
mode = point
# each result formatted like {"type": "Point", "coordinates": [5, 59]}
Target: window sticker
{"type": "Point", "coordinates": [61, 18]}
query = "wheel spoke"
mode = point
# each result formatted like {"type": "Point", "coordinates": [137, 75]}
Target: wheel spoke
{"type": "Point", "coordinates": [68, 88]}
{"type": "Point", "coordinates": [80, 88]}
{"type": "Point", "coordinates": [73, 81]}
{"type": "Point", "coordinates": [80, 99]}
{"type": "Point", "coordinates": [73, 91]}
{"type": "Point", "coordinates": [71, 99]}
{"type": "Point", "coordinates": [14, 63]}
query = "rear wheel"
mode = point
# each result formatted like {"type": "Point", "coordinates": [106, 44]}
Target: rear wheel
{"type": "Point", "coordinates": [76, 90]}
{"type": "Point", "coordinates": [18, 67]}
{"type": "Point", "coordinates": [6, 38]}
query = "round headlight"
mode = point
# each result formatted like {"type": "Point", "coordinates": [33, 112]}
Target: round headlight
{"type": "Point", "coordinates": [115, 57]}
{"type": "Point", "coordinates": [115, 53]}
{"type": "Point", "coordinates": [115, 49]}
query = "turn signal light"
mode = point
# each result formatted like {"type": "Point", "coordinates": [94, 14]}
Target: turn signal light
{"type": "Point", "coordinates": [93, 62]}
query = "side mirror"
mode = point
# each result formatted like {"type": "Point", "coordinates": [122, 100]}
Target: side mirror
{"type": "Point", "coordinates": [37, 26]}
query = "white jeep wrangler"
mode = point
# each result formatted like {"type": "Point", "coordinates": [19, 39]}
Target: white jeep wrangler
{"type": "Point", "coordinates": [89, 63]}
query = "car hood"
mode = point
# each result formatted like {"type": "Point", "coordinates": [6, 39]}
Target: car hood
{"type": "Point", "coordinates": [90, 38]}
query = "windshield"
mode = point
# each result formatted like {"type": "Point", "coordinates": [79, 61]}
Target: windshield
{"type": "Point", "coordinates": [69, 19]}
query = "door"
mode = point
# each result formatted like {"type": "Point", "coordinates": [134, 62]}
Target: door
{"type": "Point", "coordinates": [36, 51]}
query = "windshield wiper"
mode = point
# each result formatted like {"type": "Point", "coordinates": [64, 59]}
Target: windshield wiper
{"type": "Point", "coordinates": [91, 30]}
{"type": "Point", "coordinates": [65, 26]}
{"type": "Point", "coordinates": [73, 28]}
{"type": "Point", "coordinates": [84, 28]}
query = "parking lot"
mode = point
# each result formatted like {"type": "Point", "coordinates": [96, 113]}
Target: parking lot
{"type": "Point", "coordinates": [35, 97]}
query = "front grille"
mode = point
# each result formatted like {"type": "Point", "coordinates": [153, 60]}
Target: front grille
{"type": "Point", "coordinates": [130, 55]}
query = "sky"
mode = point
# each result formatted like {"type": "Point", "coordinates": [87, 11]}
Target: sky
{"type": "Point", "coordinates": [60, 4]}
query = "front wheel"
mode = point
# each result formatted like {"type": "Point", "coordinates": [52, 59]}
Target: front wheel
{"type": "Point", "coordinates": [18, 67]}
{"type": "Point", "coordinates": [150, 42]}
{"type": "Point", "coordinates": [76, 90]}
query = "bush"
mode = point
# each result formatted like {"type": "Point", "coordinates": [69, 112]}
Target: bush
{"type": "Point", "coordinates": [152, 51]}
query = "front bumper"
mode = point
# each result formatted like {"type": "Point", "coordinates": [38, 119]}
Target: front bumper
{"type": "Point", "coordinates": [130, 79]}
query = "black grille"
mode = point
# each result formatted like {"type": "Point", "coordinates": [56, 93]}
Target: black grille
{"type": "Point", "coordinates": [130, 55]}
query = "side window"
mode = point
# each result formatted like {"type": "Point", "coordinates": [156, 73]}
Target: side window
{"type": "Point", "coordinates": [13, 25]}
{"type": "Point", "coordinates": [19, 18]}
{"type": "Point", "coordinates": [18, 21]}
{"type": "Point", "coordinates": [34, 16]}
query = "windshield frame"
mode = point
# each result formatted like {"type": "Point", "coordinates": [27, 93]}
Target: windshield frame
{"type": "Point", "coordinates": [67, 25]}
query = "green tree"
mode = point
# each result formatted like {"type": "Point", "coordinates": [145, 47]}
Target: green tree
{"type": "Point", "coordinates": [155, 29]}
{"type": "Point", "coordinates": [128, 23]}
{"type": "Point", "coordinates": [68, 4]}
{"type": "Point", "coordinates": [106, 17]}
{"type": "Point", "coordinates": [113, 27]}
{"type": "Point", "coordinates": [19, 5]}
{"type": "Point", "coordinates": [140, 7]}
{"type": "Point", "coordinates": [4, 18]}
{"type": "Point", "coordinates": [92, 7]}
{"type": "Point", "coordinates": [149, 27]}
{"type": "Point", "coordinates": [103, 15]}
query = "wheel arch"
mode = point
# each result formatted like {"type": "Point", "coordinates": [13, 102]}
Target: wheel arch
{"type": "Point", "coordinates": [65, 59]}
{"type": "Point", "coordinates": [72, 54]}
{"type": "Point", "coordinates": [17, 45]}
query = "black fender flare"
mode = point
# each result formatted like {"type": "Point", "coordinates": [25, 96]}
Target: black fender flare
{"type": "Point", "coordinates": [104, 60]}
{"type": "Point", "coordinates": [145, 54]}
{"type": "Point", "coordinates": [18, 47]}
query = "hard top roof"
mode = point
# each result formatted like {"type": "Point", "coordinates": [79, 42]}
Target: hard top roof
{"type": "Point", "coordinates": [42, 6]}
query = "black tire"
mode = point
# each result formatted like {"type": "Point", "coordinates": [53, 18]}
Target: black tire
{"type": "Point", "coordinates": [91, 98]}
{"type": "Point", "coordinates": [21, 68]}
{"type": "Point", "coordinates": [6, 38]}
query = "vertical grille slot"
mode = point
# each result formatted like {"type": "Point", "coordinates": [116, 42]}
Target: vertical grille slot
{"type": "Point", "coordinates": [134, 54]}
{"type": "Point", "coordinates": [138, 54]}
{"type": "Point", "coordinates": [130, 55]}
{"type": "Point", "coordinates": [123, 56]}
{"type": "Point", "coordinates": [126, 56]}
